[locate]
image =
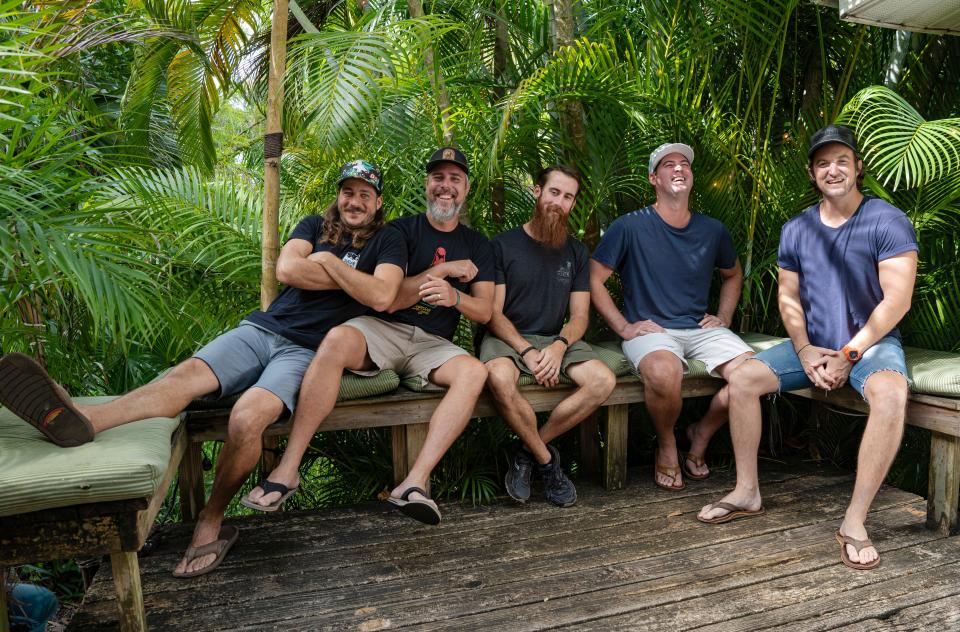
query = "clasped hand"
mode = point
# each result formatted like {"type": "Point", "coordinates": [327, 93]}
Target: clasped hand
{"type": "Point", "coordinates": [827, 368]}
{"type": "Point", "coordinates": [438, 292]}
{"type": "Point", "coordinates": [545, 363]}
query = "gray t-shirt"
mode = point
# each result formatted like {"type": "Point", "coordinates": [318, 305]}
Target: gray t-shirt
{"type": "Point", "coordinates": [665, 271]}
{"type": "Point", "coordinates": [539, 280]}
{"type": "Point", "coordinates": [838, 267]}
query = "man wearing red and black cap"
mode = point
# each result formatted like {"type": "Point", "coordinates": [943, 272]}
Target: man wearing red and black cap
{"type": "Point", "coordinates": [847, 270]}
{"type": "Point", "coordinates": [335, 267]}
{"type": "Point", "coordinates": [450, 272]}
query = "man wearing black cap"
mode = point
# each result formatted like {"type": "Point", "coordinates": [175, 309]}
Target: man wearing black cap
{"type": "Point", "coordinates": [335, 267]}
{"type": "Point", "coordinates": [666, 256]}
{"type": "Point", "coordinates": [449, 272]}
{"type": "Point", "coordinates": [847, 270]}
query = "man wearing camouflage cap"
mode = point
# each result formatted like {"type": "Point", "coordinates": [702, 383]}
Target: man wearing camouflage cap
{"type": "Point", "coordinates": [666, 255]}
{"type": "Point", "coordinates": [335, 267]}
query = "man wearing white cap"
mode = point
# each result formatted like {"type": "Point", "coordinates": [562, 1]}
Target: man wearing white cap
{"type": "Point", "coordinates": [665, 256]}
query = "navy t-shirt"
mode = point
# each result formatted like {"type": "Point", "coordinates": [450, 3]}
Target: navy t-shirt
{"type": "Point", "coordinates": [666, 271]}
{"type": "Point", "coordinates": [305, 316]}
{"type": "Point", "coordinates": [838, 267]}
{"type": "Point", "coordinates": [427, 247]}
{"type": "Point", "coordinates": [539, 280]}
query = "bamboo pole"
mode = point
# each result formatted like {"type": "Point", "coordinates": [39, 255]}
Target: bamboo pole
{"type": "Point", "coordinates": [272, 150]}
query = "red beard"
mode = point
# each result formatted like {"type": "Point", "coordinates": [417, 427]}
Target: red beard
{"type": "Point", "coordinates": [549, 225]}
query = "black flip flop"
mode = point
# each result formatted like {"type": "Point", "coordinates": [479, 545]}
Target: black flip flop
{"type": "Point", "coordinates": [269, 487]}
{"type": "Point", "coordinates": [32, 395]}
{"type": "Point", "coordinates": [425, 511]}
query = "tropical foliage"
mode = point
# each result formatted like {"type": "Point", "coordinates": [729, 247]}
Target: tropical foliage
{"type": "Point", "coordinates": [131, 180]}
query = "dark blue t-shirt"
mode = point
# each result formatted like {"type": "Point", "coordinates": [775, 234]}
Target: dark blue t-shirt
{"type": "Point", "coordinates": [838, 267]}
{"type": "Point", "coordinates": [539, 280]}
{"type": "Point", "coordinates": [665, 271]}
{"type": "Point", "coordinates": [305, 316]}
{"type": "Point", "coordinates": [427, 247]}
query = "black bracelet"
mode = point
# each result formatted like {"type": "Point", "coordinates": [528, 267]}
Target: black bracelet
{"type": "Point", "coordinates": [562, 339]}
{"type": "Point", "coordinates": [803, 347]}
{"type": "Point", "coordinates": [527, 350]}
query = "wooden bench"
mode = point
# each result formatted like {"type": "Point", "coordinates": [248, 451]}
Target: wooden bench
{"type": "Point", "coordinates": [116, 528]}
{"type": "Point", "coordinates": [407, 413]}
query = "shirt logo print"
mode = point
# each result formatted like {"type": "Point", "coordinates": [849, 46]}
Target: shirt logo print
{"type": "Point", "coordinates": [439, 256]}
{"type": "Point", "coordinates": [565, 272]}
{"type": "Point", "coordinates": [352, 258]}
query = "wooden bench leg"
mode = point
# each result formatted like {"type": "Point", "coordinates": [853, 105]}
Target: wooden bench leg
{"type": "Point", "coordinates": [407, 442]}
{"type": "Point", "coordinates": [192, 492]}
{"type": "Point", "coordinates": [4, 608]}
{"type": "Point", "coordinates": [944, 490]}
{"type": "Point", "coordinates": [589, 445]}
{"type": "Point", "coordinates": [126, 580]}
{"type": "Point", "coordinates": [614, 472]}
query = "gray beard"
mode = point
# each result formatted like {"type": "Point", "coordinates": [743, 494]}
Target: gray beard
{"type": "Point", "coordinates": [437, 214]}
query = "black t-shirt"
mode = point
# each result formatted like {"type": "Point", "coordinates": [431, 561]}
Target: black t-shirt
{"type": "Point", "coordinates": [427, 247]}
{"type": "Point", "coordinates": [305, 316]}
{"type": "Point", "coordinates": [539, 280]}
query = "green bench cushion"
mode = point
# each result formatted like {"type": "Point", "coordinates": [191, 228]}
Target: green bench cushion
{"type": "Point", "coordinates": [123, 463]}
{"type": "Point", "coordinates": [933, 372]}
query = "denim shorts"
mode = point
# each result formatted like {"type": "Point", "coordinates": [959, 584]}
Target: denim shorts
{"type": "Point", "coordinates": [885, 355]}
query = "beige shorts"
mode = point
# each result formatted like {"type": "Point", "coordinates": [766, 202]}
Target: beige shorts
{"type": "Point", "coordinates": [407, 350]}
{"type": "Point", "coordinates": [713, 346]}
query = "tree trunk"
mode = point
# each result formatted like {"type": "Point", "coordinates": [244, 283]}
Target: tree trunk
{"type": "Point", "coordinates": [501, 53]}
{"type": "Point", "coordinates": [272, 150]}
{"type": "Point", "coordinates": [901, 44]}
{"type": "Point", "coordinates": [436, 79]}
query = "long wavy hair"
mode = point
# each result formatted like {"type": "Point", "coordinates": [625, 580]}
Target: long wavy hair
{"type": "Point", "coordinates": [334, 230]}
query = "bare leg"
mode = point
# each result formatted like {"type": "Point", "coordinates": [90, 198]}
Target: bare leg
{"type": "Point", "coordinates": [251, 415]}
{"type": "Point", "coordinates": [342, 348]}
{"type": "Point", "coordinates": [464, 377]}
{"type": "Point", "coordinates": [662, 373]}
{"type": "Point", "coordinates": [716, 416]}
{"type": "Point", "coordinates": [166, 397]}
{"type": "Point", "coordinates": [886, 392]}
{"type": "Point", "coordinates": [747, 384]}
{"type": "Point", "coordinates": [596, 382]}
{"type": "Point", "coordinates": [514, 407]}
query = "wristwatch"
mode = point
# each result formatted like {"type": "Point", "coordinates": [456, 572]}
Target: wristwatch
{"type": "Point", "coordinates": [852, 355]}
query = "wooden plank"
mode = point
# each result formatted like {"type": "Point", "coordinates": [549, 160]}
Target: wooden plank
{"type": "Point", "coordinates": [270, 444]}
{"type": "Point", "coordinates": [950, 403]}
{"type": "Point", "coordinates": [922, 414]}
{"type": "Point", "coordinates": [936, 614]}
{"type": "Point", "coordinates": [415, 438]}
{"type": "Point", "coordinates": [192, 489]}
{"type": "Point", "coordinates": [126, 579]}
{"type": "Point", "coordinates": [4, 607]}
{"type": "Point", "coordinates": [145, 518]}
{"type": "Point", "coordinates": [25, 544]}
{"type": "Point", "coordinates": [614, 470]}
{"type": "Point", "coordinates": [590, 444]}
{"type": "Point", "coordinates": [399, 445]}
{"type": "Point", "coordinates": [944, 483]}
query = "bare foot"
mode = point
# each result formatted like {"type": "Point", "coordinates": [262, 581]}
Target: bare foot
{"type": "Point", "coordinates": [749, 500]}
{"type": "Point", "coordinates": [206, 531]}
{"type": "Point", "coordinates": [257, 496]}
{"type": "Point", "coordinates": [857, 531]}
{"type": "Point", "coordinates": [399, 490]}
{"type": "Point", "coordinates": [667, 471]}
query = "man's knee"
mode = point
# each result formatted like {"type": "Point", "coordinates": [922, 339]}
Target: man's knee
{"type": "Point", "coordinates": [600, 381]}
{"type": "Point", "coordinates": [502, 377]}
{"type": "Point", "coordinates": [338, 343]}
{"type": "Point", "coordinates": [751, 379]}
{"type": "Point", "coordinates": [663, 372]}
{"type": "Point", "coordinates": [470, 373]}
{"type": "Point", "coordinates": [887, 392]}
{"type": "Point", "coordinates": [189, 370]}
{"type": "Point", "coordinates": [253, 412]}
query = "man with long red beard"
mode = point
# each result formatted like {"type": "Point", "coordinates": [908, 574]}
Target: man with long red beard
{"type": "Point", "coordinates": [665, 255]}
{"type": "Point", "coordinates": [542, 274]}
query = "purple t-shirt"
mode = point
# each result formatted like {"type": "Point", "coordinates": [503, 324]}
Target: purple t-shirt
{"type": "Point", "coordinates": [665, 271]}
{"type": "Point", "coordinates": [839, 267]}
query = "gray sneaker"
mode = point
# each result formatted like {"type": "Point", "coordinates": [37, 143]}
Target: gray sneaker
{"type": "Point", "coordinates": [517, 480]}
{"type": "Point", "coordinates": [556, 486]}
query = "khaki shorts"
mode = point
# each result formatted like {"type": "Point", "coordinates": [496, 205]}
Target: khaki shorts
{"type": "Point", "coordinates": [407, 350]}
{"type": "Point", "coordinates": [713, 346]}
{"type": "Point", "coordinates": [492, 348]}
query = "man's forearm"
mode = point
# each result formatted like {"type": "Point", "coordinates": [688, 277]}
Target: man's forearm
{"type": "Point", "coordinates": [883, 319]}
{"type": "Point", "coordinates": [305, 274]}
{"type": "Point", "coordinates": [479, 308]}
{"type": "Point", "coordinates": [367, 289]}
{"type": "Point", "coordinates": [502, 327]}
{"type": "Point", "coordinates": [729, 295]}
{"type": "Point", "coordinates": [604, 304]}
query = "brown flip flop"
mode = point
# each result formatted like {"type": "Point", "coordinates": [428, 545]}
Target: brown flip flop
{"type": "Point", "coordinates": [672, 472]}
{"type": "Point", "coordinates": [32, 395]}
{"type": "Point", "coordinates": [221, 546]}
{"type": "Point", "coordinates": [859, 545]}
{"type": "Point", "coordinates": [698, 460]}
{"type": "Point", "coordinates": [733, 512]}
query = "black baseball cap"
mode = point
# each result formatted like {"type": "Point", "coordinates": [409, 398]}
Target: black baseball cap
{"type": "Point", "coordinates": [448, 154]}
{"type": "Point", "coordinates": [832, 134]}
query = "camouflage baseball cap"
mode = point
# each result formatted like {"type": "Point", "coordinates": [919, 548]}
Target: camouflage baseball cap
{"type": "Point", "coordinates": [362, 170]}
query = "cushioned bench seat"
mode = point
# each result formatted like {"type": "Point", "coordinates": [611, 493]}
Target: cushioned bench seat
{"type": "Point", "coordinates": [126, 462]}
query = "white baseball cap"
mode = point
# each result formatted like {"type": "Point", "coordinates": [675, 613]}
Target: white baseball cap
{"type": "Point", "coordinates": [669, 148]}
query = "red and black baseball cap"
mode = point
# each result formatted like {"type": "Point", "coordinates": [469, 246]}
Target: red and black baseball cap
{"type": "Point", "coordinates": [448, 154]}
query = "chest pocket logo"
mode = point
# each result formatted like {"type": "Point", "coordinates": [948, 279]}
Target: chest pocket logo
{"type": "Point", "coordinates": [565, 272]}
{"type": "Point", "coordinates": [351, 258]}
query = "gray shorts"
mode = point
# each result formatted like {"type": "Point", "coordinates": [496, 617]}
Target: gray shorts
{"type": "Point", "coordinates": [492, 347]}
{"type": "Point", "coordinates": [407, 350]}
{"type": "Point", "coordinates": [250, 356]}
{"type": "Point", "coordinates": [713, 346]}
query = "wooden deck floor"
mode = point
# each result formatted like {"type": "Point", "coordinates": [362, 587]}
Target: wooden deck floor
{"type": "Point", "coordinates": [635, 559]}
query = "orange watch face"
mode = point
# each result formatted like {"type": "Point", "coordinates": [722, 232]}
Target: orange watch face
{"type": "Point", "coordinates": [852, 354]}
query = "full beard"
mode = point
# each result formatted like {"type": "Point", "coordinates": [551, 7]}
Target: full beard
{"type": "Point", "coordinates": [549, 226]}
{"type": "Point", "coordinates": [439, 214]}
